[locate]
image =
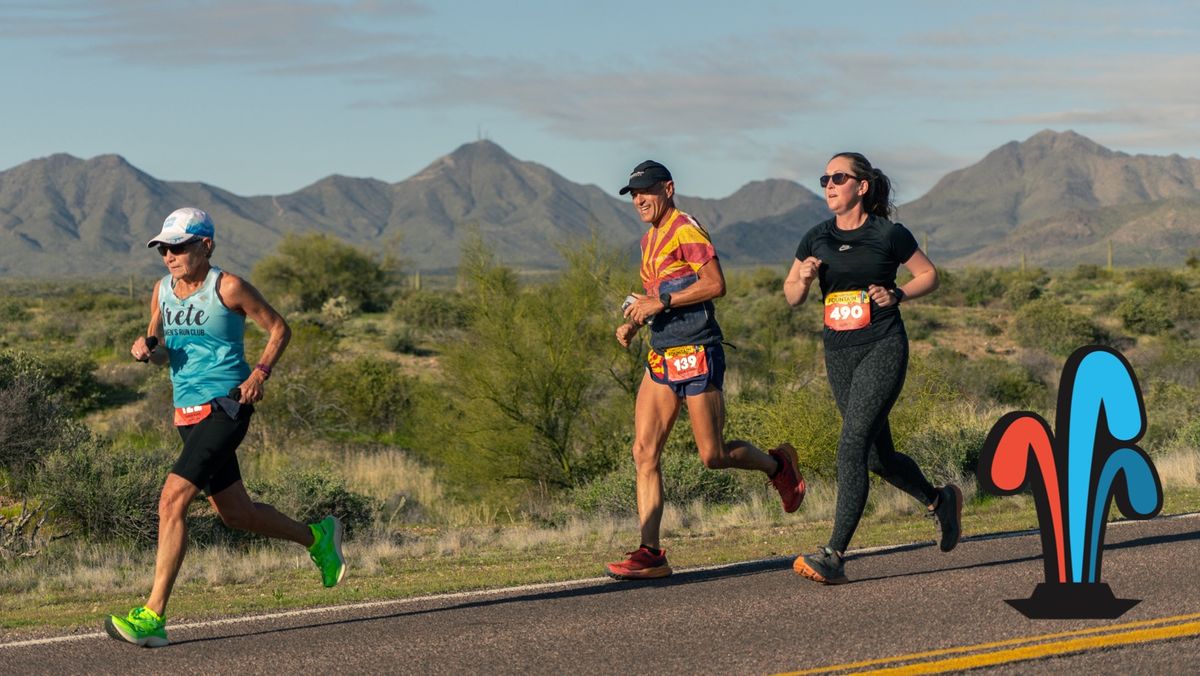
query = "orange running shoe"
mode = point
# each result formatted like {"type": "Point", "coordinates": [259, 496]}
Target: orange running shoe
{"type": "Point", "coordinates": [641, 565]}
{"type": "Point", "coordinates": [789, 481]}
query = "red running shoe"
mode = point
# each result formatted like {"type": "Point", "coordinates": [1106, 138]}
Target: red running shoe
{"type": "Point", "coordinates": [789, 481]}
{"type": "Point", "coordinates": [641, 565]}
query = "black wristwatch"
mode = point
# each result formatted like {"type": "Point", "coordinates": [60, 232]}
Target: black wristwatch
{"type": "Point", "coordinates": [898, 294]}
{"type": "Point", "coordinates": [665, 299]}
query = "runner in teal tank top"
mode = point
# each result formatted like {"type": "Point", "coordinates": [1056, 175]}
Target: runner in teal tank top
{"type": "Point", "coordinates": [197, 325]}
{"type": "Point", "coordinates": [205, 342]}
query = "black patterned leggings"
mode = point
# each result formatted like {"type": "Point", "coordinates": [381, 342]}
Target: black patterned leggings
{"type": "Point", "coordinates": [866, 380]}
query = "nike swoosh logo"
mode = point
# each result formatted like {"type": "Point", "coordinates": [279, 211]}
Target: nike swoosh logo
{"type": "Point", "coordinates": [844, 247]}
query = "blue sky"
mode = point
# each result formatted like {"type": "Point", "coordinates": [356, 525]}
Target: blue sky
{"type": "Point", "coordinates": [267, 97]}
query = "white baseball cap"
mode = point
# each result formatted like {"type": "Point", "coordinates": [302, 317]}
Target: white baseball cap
{"type": "Point", "coordinates": [184, 225]}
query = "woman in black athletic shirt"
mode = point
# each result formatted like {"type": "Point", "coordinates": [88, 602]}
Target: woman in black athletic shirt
{"type": "Point", "coordinates": [854, 256]}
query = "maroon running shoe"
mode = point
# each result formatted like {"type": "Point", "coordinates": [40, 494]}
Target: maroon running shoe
{"type": "Point", "coordinates": [642, 564]}
{"type": "Point", "coordinates": [789, 481]}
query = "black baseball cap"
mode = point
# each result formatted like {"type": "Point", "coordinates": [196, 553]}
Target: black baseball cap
{"type": "Point", "coordinates": [645, 175]}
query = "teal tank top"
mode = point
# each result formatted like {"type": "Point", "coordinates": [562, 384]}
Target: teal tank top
{"type": "Point", "coordinates": [205, 341]}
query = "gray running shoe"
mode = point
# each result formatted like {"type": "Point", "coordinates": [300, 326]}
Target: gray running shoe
{"type": "Point", "coordinates": [824, 566]}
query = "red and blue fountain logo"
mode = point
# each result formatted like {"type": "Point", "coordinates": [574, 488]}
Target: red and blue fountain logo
{"type": "Point", "coordinates": [1074, 473]}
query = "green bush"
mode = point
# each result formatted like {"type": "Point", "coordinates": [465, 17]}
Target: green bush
{"type": "Point", "coordinates": [1048, 324]}
{"type": "Point", "coordinates": [685, 480]}
{"type": "Point", "coordinates": [921, 323]}
{"type": "Point", "coordinates": [944, 453]}
{"type": "Point", "coordinates": [309, 495]}
{"type": "Point", "coordinates": [13, 311]}
{"type": "Point", "coordinates": [369, 394]}
{"type": "Point", "coordinates": [1090, 272]}
{"type": "Point", "coordinates": [1152, 281]}
{"type": "Point", "coordinates": [73, 380]}
{"type": "Point", "coordinates": [33, 418]}
{"type": "Point", "coordinates": [805, 417]}
{"type": "Point", "coordinates": [104, 493]}
{"type": "Point", "coordinates": [308, 270]}
{"type": "Point", "coordinates": [432, 311]}
{"type": "Point", "coordinates": [1148, 314]}
{"type": "Point", "coordinates": [985, 381]}
{"type": "Point", "coordinates": [530, 386]}
{"type": "Point", "coordinates": [402, 340]}
{"type": "Point", "coordinates": [1021, 291]}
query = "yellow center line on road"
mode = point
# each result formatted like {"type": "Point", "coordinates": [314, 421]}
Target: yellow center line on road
{"type": "Point", "coordinates": [1029, 647]}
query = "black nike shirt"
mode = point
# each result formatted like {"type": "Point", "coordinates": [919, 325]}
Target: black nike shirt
{"type": "Point", "coordinates": [855, 259]}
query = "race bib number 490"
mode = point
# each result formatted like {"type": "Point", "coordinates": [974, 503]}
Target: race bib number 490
{"type": "Point", "coordinates": [847, 310]}
{"type": "Point", "coordinates": [685, 362]}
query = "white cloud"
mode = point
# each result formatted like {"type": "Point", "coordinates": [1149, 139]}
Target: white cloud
{"type": "Point", "coordinates": [174, 32]}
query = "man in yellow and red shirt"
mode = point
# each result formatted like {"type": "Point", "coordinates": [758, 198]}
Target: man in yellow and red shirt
{"type": "Point", "coordinates": [681, 276]}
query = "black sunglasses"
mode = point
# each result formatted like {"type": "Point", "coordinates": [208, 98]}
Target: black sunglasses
{"type": "Point", "coordinates": [175, 249]}
{"type": "Point", "coordinates": [838, 178]}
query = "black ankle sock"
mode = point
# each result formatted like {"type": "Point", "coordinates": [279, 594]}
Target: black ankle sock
{"type": "Point", "coordinates": [650, 549]}
{"type": "Point", "coordinates": [778, 468]}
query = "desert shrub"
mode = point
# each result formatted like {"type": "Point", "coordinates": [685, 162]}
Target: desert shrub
{"type": "Point", "coordinates": [921, 323]}
{"type": "Point", "coordinates": [33, 419]}
{"type": "Point", "coordinates": [12, 310]}
{"type": "Point", "coordinates": [91, 301]}
{"type": "Point", "coordinates": [530, 386]}
{"type": "Point", "coordinates": [1147, 314]}
{"type": "Point", "coordinates": [369, 393]}
{"type": "Point", "coordinates": [1090, 272]}
{"type": "Point", "coordinates": [806, 417]}
{"type": "Point", "coordinates": [1048, 324]}
{"type": "Point", "coordinates": [1172, 408]}
{"type": "Point", "coordinates": [308, 270]}
{"type": "Point", "coordinates": [945, 452]}
{"type": "Point", "coordinates": [982, 325]}
{"type": "Point", "coordinates": [1021, 291]}
{"type": "Point", "coordinates": [985, 286]}
{"type": "Point", "coordinates": [685, 480]}
{"type": "Point", "coordinates": [111, 332]}
{"type": "Point", "coordinates": [402, 340]}
{"type": "Point", "coordinates": [73, 380]}
{"type": "Point", "coordinates": [432, 311]}
{"type": "Point", "coordinates": [1151, 281]}
{"type": "Point", "coordinates": [1173, 360]}
{"type": "Point", "coordinates": [308, 495]}
{"type": "Point", "coordinates": [102, 492]}
{"type": "Point", "coordinates": [986, 381]}
{"type": "Point", "coordinates": [981, 287]}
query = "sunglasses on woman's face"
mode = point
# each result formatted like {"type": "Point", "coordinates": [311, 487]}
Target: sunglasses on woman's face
{"type": "Point", "coordinates": [175, 249]}
{"type": "Point", "coordinates": [838, 178]}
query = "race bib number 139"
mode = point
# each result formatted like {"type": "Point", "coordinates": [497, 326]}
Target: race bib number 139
{"type": "Point", "coordinates": [847, 310]}
{"type": "Point", "coordinates": [685, 362]}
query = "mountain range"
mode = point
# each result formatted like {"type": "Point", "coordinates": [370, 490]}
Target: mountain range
{"type": "Point", "coordinates": [1057, 197]}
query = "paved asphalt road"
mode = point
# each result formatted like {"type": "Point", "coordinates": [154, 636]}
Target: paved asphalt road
{"type": "Point", "coordinates": [755, 617]}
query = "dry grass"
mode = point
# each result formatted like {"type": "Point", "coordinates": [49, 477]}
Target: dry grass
{"type": "Point", "coordinates": [1179, 469]}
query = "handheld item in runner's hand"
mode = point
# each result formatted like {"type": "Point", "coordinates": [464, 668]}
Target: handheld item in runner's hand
{"type": "Point", "coordinates": [151, 343]}
{"type": "Point", "coordinates": [629, 300]}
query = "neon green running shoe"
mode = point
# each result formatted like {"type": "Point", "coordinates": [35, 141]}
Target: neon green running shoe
{"type": "Point", "coordinates": [141, 627]}
{"type": "Point", "coordinates": [326, 549]}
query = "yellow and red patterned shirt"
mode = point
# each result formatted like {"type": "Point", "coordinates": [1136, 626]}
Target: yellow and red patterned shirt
{"type": "Point", "coordinates": [672, 255]}
{"type": "Point", "coordinates": [677, 248]}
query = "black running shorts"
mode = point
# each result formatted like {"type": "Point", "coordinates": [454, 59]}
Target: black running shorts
{"type": "Point", "coordinates": [209, 457]}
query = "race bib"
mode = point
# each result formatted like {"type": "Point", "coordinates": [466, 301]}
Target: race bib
{"type": "Point", "coordinates": [685, 362]}
{"type": "Point", "coordinates": [190, 415]}
{"type": "Point", "coordinates": [847, 310]}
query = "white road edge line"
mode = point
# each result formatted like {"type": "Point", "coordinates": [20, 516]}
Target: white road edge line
{"type": "Point", "coordinates": [508, 590]}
